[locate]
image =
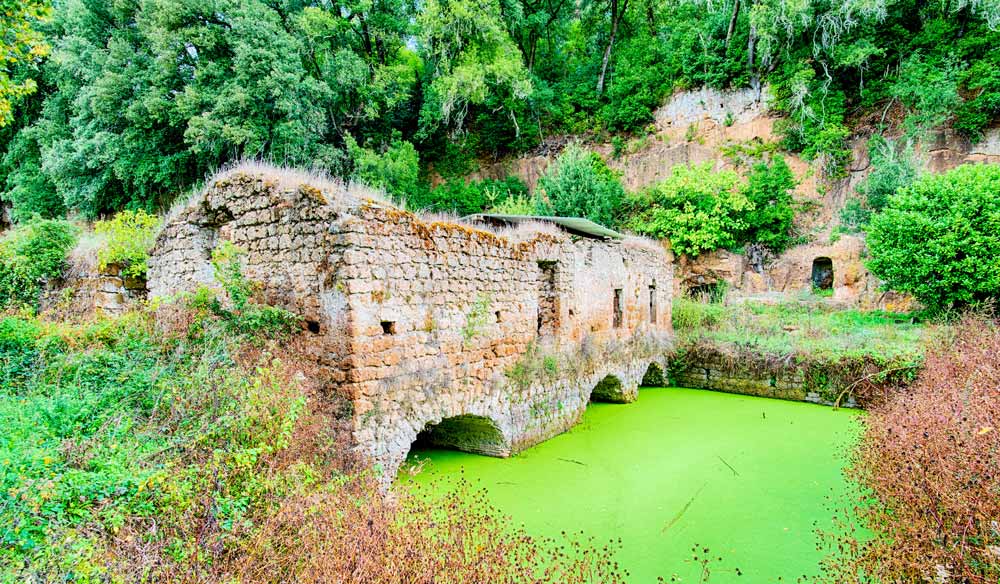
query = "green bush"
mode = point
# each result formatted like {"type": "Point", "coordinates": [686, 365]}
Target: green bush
{"type": "Point", "coordinates": [939, 239]}
{"type": "Point", "coordinates": [696, 208]}
{"type": "Point", "coordinates": [129, 236]}
{"type": "Point", "coordinates": [475, 196]}
{"type": "Point", "coordinates": [395, 168]}
{"type": "Point", "coordinates": [892, 169]}
{"type": "Point", "coordinates": [580, 184]}
{"type": "Point", "coordinates": [29, 254]}
{"type": "Point", "coordinates": [769, 218]}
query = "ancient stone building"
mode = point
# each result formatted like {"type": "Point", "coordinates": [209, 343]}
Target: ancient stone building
{"type": "Point", "coordinates": [479, 338]}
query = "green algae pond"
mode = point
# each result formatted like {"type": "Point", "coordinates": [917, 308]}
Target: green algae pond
{"type": "Point", "coordinates": [749, 478]}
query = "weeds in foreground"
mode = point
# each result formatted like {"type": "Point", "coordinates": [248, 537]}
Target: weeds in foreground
{"type": "Point", "coordinates": [191, 444]}
{"type": "Point", "coordinates": [925, 505]}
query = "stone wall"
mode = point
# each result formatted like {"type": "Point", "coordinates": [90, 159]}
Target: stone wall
{"type": "Point", "coordinates": [751, 374]}
{"type": "Point", "coordinates": [500, 338]}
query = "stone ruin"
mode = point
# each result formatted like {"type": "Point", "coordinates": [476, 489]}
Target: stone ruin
{"type": "Point", "coordinates": [480, 339]}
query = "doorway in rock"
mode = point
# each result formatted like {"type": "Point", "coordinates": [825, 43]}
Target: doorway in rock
{"type": "Point", "coordinates": [468, 433]}
{"type": "Point", "coordinates": [822, 274]}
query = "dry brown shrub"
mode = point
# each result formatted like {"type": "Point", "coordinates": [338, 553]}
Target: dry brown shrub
{"type": "Point", "coordinates": [927, 471]}
{"type": "Point", "coordinates": [349, 532]}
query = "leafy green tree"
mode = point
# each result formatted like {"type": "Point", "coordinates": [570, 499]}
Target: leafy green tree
{"type": "Point", "coordinates": [893, 168]}
{"type": "Point", "coordinates": [396, 169]}
{"type": "Point", "coordinates": [23, 46]}
{"type": "Point", "coordinates": [470, 58]}
{"type": "Point", "coordinates": [696, 208]}
{"type": "Point", "coordinates": [769, 217]}
{"type": "Point", "coordinates": [579, 184]}
{"type": "Point", "coordinates": [939, 238]}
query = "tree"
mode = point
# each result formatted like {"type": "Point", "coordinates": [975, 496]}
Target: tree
{"type": "Point", "coordinates": [769, 217]}
{"type": "Point", "coordinates": [696, 208]}
{"type": "Point", "coordinates": [470, 58]}
{"type": "Point", "coordinates": [580, 184]}
{"type": "Point", "coordinates": [23, 46]}
{"type": "Point", "coordinates": [939, 239]}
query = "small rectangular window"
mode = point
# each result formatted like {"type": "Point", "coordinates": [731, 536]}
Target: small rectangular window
{"type": "Point", "coordinates": [617, 318]}
{"type": "Point", "coordinates": [388, 327]}
{"type": "Point", "coordinates": [652, 303]}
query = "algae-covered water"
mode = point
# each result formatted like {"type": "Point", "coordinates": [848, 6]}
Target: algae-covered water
{"type": "Point", "coordinates": [746, 477]}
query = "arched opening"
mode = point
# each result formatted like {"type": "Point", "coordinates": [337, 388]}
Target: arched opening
{"type": "Point", "coordinates": [608, 389]}
{"type": "Point", "coordinates": [654, 376]}
{"type": "Point", "coordinates": [822, 274]}
{"type": "Point", "coordinates": [467, 433]}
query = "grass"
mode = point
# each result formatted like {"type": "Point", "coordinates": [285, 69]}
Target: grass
{"type": "Point", "coordinates": [800, 329]}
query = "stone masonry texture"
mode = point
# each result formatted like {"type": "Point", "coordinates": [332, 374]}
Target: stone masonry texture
{"type": "Point", "coordinates": [469, 338]}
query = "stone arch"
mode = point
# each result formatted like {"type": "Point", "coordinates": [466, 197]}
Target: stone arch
{"type": "Point", "coordinates": [822, 273]}
{"type": "Point", "coordinates": [609, 389]}
{"type": "Point", "coordinates": [654, 376]}
{"type": "Point", "coordinates": [466, 432]}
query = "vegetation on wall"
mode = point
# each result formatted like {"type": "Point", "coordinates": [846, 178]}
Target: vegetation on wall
{"type": "Point", "coordinates": [939, 238]}
{"type": "Point", "coordinates": [128, 237]}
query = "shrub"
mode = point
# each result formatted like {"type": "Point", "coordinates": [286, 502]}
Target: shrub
{"type": "Point", "coordinates": [476, 196]}
{"type": "Point", "coordinates": [926, 475]}
{"type": "Point", "coordinates": [580, 184]}
{"type": "Point", "coordinates": [769, 217]}
{"type": "Point", "coordinates": [29, 254]}
{"type": "Point", "coordinates": [395, 168]}
{"type": "Point", "coordinates": [696, 208]}
{"type": "Point", "coordinates": [243, 315]}
{"type": "Point", "coordinates": [892, 170]}
{"type": "Point", "coordinates": [939, 239]}
{"type": "Point", "coordinates": [129, 236]}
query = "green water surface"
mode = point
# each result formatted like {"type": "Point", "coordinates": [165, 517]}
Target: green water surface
{"type": "Point", "coordinates": [746, 477]}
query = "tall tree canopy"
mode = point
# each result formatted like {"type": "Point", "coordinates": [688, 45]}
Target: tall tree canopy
{"type": "Point", "coordinates": [138, 100]}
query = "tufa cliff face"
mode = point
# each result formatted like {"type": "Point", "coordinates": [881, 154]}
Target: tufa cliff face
{"type": "Point", "coordinates": [696, 127]}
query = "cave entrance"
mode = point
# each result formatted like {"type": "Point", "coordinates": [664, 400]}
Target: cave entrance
{"type": "Point", "coordinates": [468, 433]}
{"type": "Point", "coordinates": [822, 274]}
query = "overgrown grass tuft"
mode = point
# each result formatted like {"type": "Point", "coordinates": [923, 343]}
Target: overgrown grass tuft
{"type": "Point", "coordinates": [802, 329]}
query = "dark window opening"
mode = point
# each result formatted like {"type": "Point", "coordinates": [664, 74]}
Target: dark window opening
{"type": "Point", "coordinates": [548, 302]}
{"type": "Point", "coordinates": [388, 327]}
{"type": "Point", "coordinates": [312, 326]}
{"type": "Point", "coordinates": [652, 303]}
{"type": "Point", "coordinates": [498, 316]}
{"type": "Point", "coordinates": [617, 318]}
{"type": "Point", "coordinates": [822, 274]}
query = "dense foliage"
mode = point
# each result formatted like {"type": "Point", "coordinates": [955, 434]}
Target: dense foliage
{"type": "Point", "coordinates": [139, 100]}
{"type": "Point", "coordinates": [769, 192]}
{"type": "Point", "coordinates": [580, 184]}
{"type": "Point", "coordinates": [128, 236]}
{"type": "Point", "coordinates": [926, 472]}
{"type": "Point", "coordinates": [939, 238]}
{"type": "Point", "coordinates": [696, 208]}
{"type": "Point", "coordinates": [29, 255]}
